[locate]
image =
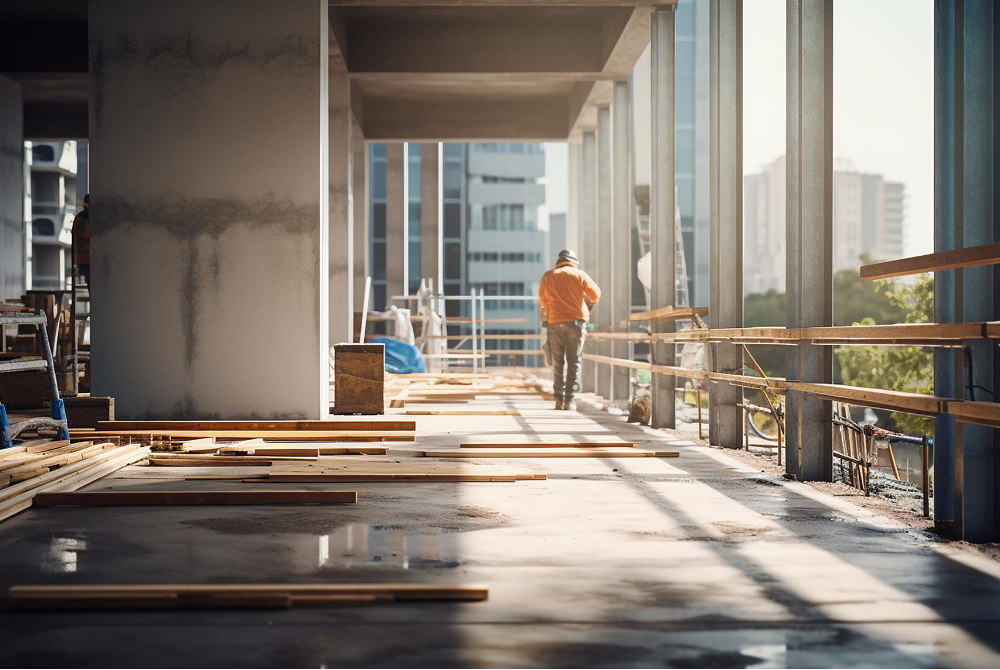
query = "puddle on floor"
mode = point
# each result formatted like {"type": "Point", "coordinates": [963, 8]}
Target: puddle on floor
{"type": "Point", "coordinates": [363, 545]}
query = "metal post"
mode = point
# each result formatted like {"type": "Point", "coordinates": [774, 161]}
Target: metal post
{"type": "Point", "coordinates": [948, 225]}
{"type": "Point", "coordinates": [809, 231]}
{"type": "Point", "coordinates": [472, 312]}
{"type": "Point", "coordinates": [482, 329]}
{"type": "Point", "coordinates": [662, 222]}
{"type": "Point", "coordinates": [926, 477]}
{"type": "Point", "coordinates": [726, 198]}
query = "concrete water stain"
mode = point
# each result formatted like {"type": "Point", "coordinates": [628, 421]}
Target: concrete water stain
{"type": "Point", "coordinates": [357, 545]}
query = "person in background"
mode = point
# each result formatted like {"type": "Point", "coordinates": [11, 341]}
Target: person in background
{"type": "Point", "coordinates": [81, 241]}
{"type": "Point", "coordinates": [566, 295]}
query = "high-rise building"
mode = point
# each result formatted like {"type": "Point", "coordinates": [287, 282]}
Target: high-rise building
{"type": "Point", "coordinates": [868, 219]}
{"type": "Point", "coordinates": [491, 241]}
{"type": "Point", "coordinates": [54, 202]}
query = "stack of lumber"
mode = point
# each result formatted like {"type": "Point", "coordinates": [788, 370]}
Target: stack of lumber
{"type": "Point", "coordinates": [614, 449]}
{"type": "Point", "coordinates": [360, 470]}
{"type": "Point", "coordinates": [156, 432]}
{"type": "Point", "coordinates": [56, 467]}
{"type": "Point", "coordinates": [225, 596]}
{"type": "Point", "coordinates": [403, 389]}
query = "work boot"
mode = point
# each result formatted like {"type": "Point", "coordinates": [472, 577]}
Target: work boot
{"type": "Point", "coordinates": [559, 404]}
{"type": "Point", "coordinates": [569, 405]}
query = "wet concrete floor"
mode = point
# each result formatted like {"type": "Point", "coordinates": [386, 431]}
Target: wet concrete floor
{"type": "Point", "coordinates": [686, 562]}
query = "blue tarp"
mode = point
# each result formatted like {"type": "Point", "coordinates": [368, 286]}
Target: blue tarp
{"type": "Point", "coordinates": [401, 358]}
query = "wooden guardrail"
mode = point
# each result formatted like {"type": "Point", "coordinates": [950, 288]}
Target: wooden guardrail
{"type": "Point", "coordinates": [986, 254]}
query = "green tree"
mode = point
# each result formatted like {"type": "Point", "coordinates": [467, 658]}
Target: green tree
{"type": "Point", "coordinates": [908, 369]}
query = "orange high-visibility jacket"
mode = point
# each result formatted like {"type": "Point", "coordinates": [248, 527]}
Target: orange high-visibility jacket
{"type": "Point", "coordinates": [563, 290]}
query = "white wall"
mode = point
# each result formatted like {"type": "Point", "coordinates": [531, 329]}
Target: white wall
{"type": "Point", "coordinates": [206, 128]}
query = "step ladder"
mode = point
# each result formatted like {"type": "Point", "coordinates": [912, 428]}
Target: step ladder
{"type": "Point", "coordinates": [58, 421]}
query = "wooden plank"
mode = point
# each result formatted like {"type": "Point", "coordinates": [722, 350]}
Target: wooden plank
{"type": "Point", "coordinates": [446, 412]}
{"type": "Point", "coordinates": [411, 471]}
{"type": "Point", "coordinates": [543, 444]}
{"type": "Point", "coordinates": [241, 447]}
{"type": "Point", "coordinates": [360, 425]}
{"type": "Point", "coordinates": [266, 435]}
{"type": "Point", "coordinates": [975, 412]}
{"type": "Point", "coordinates": [159, 498]}
{"type": "Point", "coordinates": [668, 313]}
{"type": "Point", "coordinates": [320, 451]}
{"type": "Point", "coordinates": [66, 596]}
{"type": "Point", "coordinates": [601, 452]}
{"type": "Point", "coordinates": [969, 257]}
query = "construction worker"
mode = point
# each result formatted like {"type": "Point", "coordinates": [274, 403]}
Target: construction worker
{"type": "Point", "coordinates": [81, 241]}
{"type": "Point", "coordinates": [566, 294]}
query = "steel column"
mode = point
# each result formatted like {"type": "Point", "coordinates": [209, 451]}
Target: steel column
{"type": "Point", "coordinates": [359, 172]}
{"type": "Point", "coordinates": [430, 213]}
{"type": "Point", "coordinates": [395, 221]}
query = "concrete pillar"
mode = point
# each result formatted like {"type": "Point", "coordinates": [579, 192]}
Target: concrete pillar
{"type": "Point", "coordinates": [430, 213]}
{"type": "Point", "coordinates": [12, 219]}
{"type": "Point", "coordinates": [209, 196]}
{"type": "Point", "coordinates": [395, 221]}
{"type": "Point", "coordinates": [662, 222]}
{"type": "Point", "coordinates": [726, 202]}
{"type": "Point", "coordinates": [976, 164]}
{"type": "Point", "coordinates": [605, 245]}
{"type": "Point", "coordinates": [359, 173]}
{"type": "Point", "coordinates": [809, 230]}
{"type": "Point", "coordinates": [622, 269]}
{"type": "Point", "coordinates": [947, 235]}
{"type": "Point", "coordinates": [341, 255]}
{"type": "Point", "coordinates": [588, 238]}
{"type": "Point", "coordinates": [573, 159]}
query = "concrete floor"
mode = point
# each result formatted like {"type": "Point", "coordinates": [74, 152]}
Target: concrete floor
{"type": "Point", "coordinates": [689, 562]}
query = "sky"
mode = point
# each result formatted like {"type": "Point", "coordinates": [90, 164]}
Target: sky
{"type": "Point", "coordinates": [883, 96]}
{"type": "Point", "coordinates": [883, 100]}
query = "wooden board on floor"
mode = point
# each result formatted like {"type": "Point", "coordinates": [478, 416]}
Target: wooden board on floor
{"type": "Point", "coordinates": [545, 445]}
{"type": "Point", "coordinates": [231, 596]}
{"type": "Point", "coordinates": [447, 412]}
{"type": "Point", "coordinates": [157, 498]}
{"type": "Point", "coordinates": [267, 435]}
{"type": "Point", "coordinates": [409, 471]}
{"type": "Point", "coordinates": [599, 452]}
{"type": "Point", "coordinates": [362, 425]}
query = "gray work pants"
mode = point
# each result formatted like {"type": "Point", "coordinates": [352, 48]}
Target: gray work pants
{"type": "Point", "coordinates": [566, 343]}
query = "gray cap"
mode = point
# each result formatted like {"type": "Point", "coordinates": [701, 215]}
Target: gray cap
{"type": "Point", "coordinates": [567, 255]}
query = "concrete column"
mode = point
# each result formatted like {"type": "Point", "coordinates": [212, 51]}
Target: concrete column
{"type": "Point", "coordinates": [395, 221]}
{"type": "Point", "coordinates": [588, 238]}
{"type": "Point", "coordinates": [572, 199]}
{"type": "Point", "coordinates": [605, 246]}
{"type": "Point", "coordinates": [726, 197]}
{"type": "Point", "coordinates": [809, 230]}
{"type": "Point", "coordinates": [662, 191]}
{"type": "Point", "coordinates": [948, 226]}
{"type": "Point", "coordinates": [209, 192]}
{"type": "Point", "coordinates": [359, 173]}
{"type": "Point", "coordinates": [621, 204]}
{"type": "Point", "coordinates": [341, 255]}
{"type": "Point", "coordinates": [977, 504]}
{"type": "Point", "coordinates": [430, 213]}
{"type": "Point", "coordinates": [12, 219]}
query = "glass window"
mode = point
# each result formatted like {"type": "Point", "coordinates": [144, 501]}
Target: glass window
{"type": "Point", "coordinates": [378, 180]}
{"type": "Point", "coordinates": [452, 219]}
{"type": "Point", "coordinates": [452, 150]}
{"type": "Point", "coordinates": [452, 179]}
{"type": "Point", "coordinates": [378, 260]}
{"type": "Point", "coordinates": [378, 297]}
{"type": "Point", "coordinates": [453, 259]}
{"type": "Point", "coordinates": [378, 220]}
{"type": "Point", "coordinates": [413, 148]}
{"type": "Point", "coordinates": [378, 150]}
{"type": "Point", "coordinates": [414, 208]}
{"type": "Point", "coordinates": [414, 247]}
{"type": "Point", "coordinates": [43, 226]}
